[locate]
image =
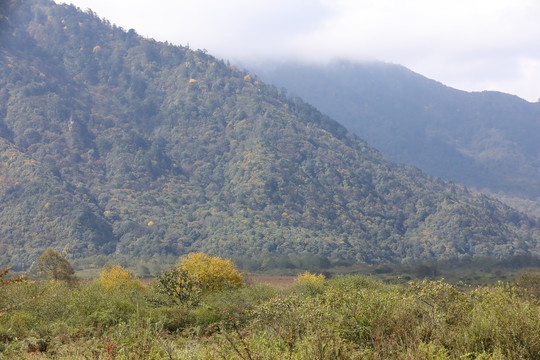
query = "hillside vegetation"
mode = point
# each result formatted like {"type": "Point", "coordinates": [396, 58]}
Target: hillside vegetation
{"type": "Point", "coordinates": [486, 140]}
{"type": "Point", "coordinates": [115, 144]}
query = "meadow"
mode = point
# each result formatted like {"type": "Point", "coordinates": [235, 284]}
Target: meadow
{"type": "Point", "coordinates": [213, 314]}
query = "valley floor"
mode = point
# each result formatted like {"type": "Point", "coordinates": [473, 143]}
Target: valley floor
{"type": "Point", "coordinates": [305, 317]}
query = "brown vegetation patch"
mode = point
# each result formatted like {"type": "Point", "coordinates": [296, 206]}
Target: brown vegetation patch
{"type": "Point", "coordinates": [280, 282]}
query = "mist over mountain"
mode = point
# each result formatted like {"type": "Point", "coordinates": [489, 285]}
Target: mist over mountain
{"type": "Point", "coordinates": [112, 143]}
{"type": "Point", "coordinates": [485, 140]}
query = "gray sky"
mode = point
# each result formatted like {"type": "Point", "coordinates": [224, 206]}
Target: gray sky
{"type": "Point", "coordinates": [467, 44]}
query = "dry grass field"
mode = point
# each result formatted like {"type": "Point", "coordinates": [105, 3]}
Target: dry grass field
{"type": "Point", "coordinates": [279, 282]}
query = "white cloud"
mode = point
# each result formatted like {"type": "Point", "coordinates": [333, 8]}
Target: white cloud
{"type": "Point", "coordinates": [468, 44]}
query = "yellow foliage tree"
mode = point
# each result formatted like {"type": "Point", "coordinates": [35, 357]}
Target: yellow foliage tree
{"type": "Point", "coordinates": [308, 277]}
{"type": "Point", "coordinates": [211, 272]}
{"type": "Point", "coordinates": [116, 277]}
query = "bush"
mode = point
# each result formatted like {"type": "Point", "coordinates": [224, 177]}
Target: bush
{"type": "Point", "coordinates": [7, 282]}
{"type": "Point", "coordinates": [211, 272]}
{"type": "Point", "coordinates": [179, 286]}
{"type": "Point", "coordinates": [116, 277]}
{"type": "Point", "coordinates": [4, 305]}
{"type": "Point", "coordinates": [174, 319]}
{"type": "Point", "coordinates": [347, 317]}
{"type": "Point", "coordinates": [205, 317]}
{"type": "Point", "coordinates": [309, 284]}
{"type": "Point", "coordinates": [308, 277]}
{"type": "Point", "coordinates": [529, 284]}
{"type": "Point", "coordinates": [503, 322]}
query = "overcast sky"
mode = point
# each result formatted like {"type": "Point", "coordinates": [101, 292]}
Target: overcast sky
{"type": "Point", "coordinates": [467, 44]}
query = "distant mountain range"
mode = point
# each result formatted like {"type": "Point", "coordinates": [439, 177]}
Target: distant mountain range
{"type": "Point", "coordinates": [486, 140]}
{"type": "Point", "coordinates": [111, 143]}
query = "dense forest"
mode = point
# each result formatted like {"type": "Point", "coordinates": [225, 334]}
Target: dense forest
{"type": "Point", "coordinates": [115, 144]}
{"type": "Point", "coordinates": [485, 140]}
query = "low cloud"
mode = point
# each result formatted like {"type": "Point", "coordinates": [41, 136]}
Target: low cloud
{"type": "Point", "coordinates": [468, 44]}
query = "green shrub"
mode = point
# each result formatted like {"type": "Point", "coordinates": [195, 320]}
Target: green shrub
{"type": "Point", "coordinates": [355, 282]}
{"type": "Point", "coordinates": [174, 319]}
{"type": "Point", "coordinates": [529, 284]}
{"type": "Point", "coordinates": [100, 309]}
{"type": "Point", "coordinates": [206, 317]}
{"type": "Point", "coordinates": [349, 317]}
{"type": "Point", "coordinates": [502, 321]}
{"type": "Point", "coordinates": [19, 324]}
{"type": "Point", "coordinates": [232, 300]}
{"type": "Point", "coordinates": [179, 286]}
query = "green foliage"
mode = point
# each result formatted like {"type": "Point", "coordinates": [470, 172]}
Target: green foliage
{"type": "Point", "coordinates": [7, 282]}
{"type": "Point", "coordinates": [196, 275]}
{"type": "Point", "coordinates": [130, 340]}
{"type": "Point", "coordinates": [471, 138]}
{"type": "Point", "coordinates": [500, 322]}
{"type": "Point", "coordinates": [350, 317]}
{"type": "Point", "coordinates": [55, 266]}
{"type": "Point", "coordinates": [529, 284]}
{"type": "Point", "coordinates": [175, 319]}
{"type": "Point", "coordinates": [309, 284]}
{"type": "Point", "coordinates": [178, 285]}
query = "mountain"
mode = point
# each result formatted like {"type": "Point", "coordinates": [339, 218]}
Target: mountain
{"type": "Point", "coordinates": [38, 209]}
{"type": "Point", "coordinates": [112, 143]}
{"type": "Point", "coordinates": [485, 140]}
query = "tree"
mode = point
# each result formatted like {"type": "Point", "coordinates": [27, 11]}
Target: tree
{"type": "Point", "coordinates": [116, 277]}
{"type": "Point", "coordinates": [211, 272]}
{"type": "Point", "coordinates": [179, 286]}
{"type": "Point", "coordinates": [55, 266]}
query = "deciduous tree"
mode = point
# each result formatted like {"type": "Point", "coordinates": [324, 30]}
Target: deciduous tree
{"type": "Point", "coordinates": [115, 276]}
{"type": "Point", "coordinates": [55, 266]}
{"type": "Point", "coordinates": [179, 286]}
{"type": "Point", "coordinates": [211, 272]}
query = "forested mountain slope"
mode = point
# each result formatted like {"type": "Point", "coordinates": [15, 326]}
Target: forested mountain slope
{"type": "Point", "coordinates": [486, 140]}
{"type": "Point", "coordinates": [116, 144]}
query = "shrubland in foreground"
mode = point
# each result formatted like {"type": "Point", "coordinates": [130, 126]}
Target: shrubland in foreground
{"type": "Point", "coordinates": [213, 314]}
